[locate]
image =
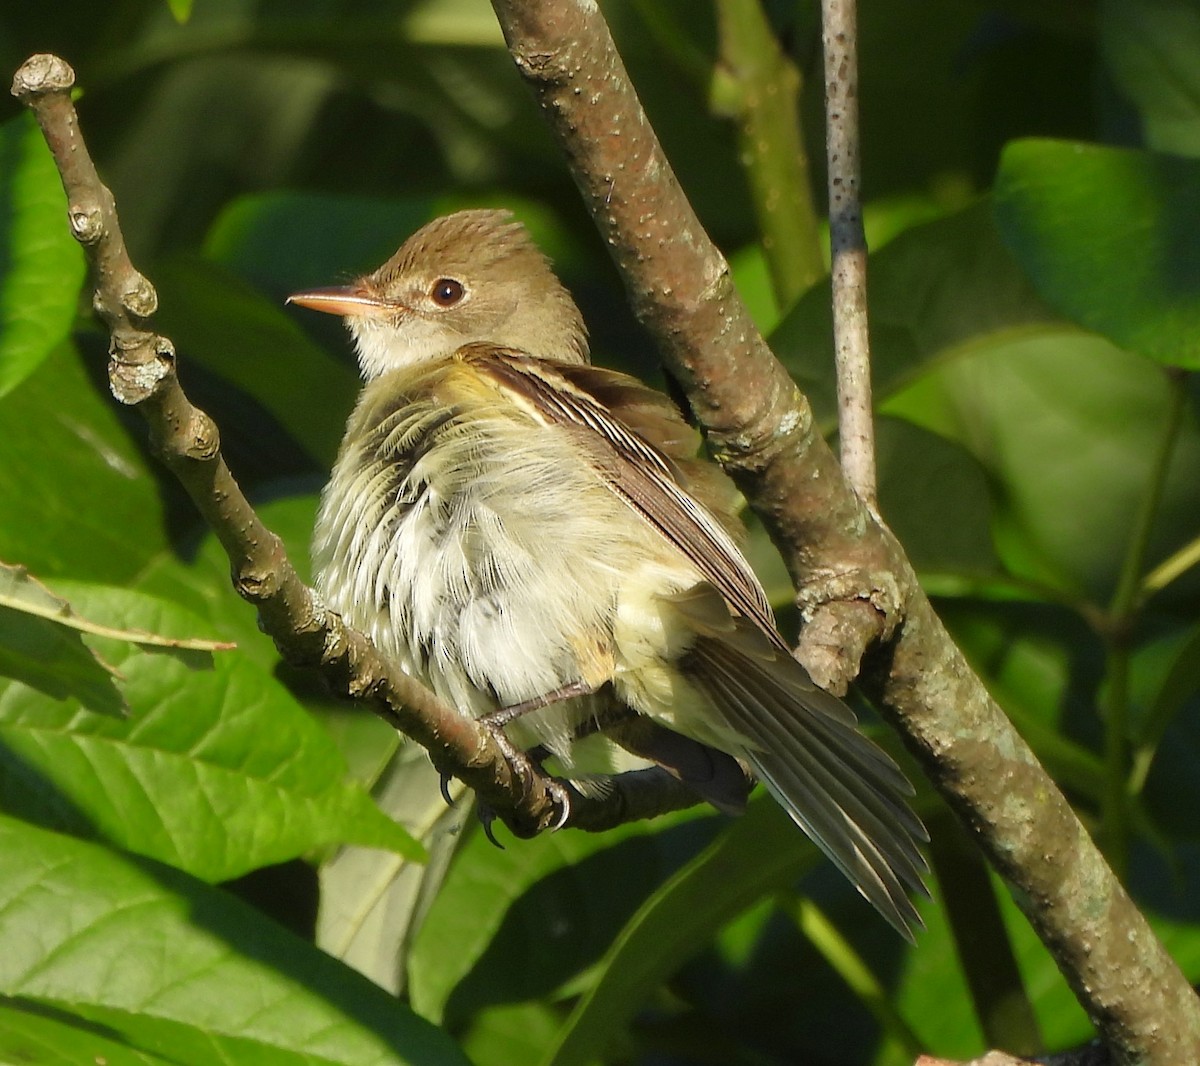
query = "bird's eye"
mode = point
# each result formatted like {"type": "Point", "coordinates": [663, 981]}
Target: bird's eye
{"type": "Point", "coordinates": [446, 292]}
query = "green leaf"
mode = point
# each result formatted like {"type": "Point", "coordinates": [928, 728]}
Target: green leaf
{"type": "Point", "coordinates": [1044, 666]}
{"type": "Point", "coordinates": [934, 496]}
{"type": "Point", "coordinates": [1174, 667]}
{"type": "Point", "coordinates": [166, 966]}
{"type": "Point", "coordinates": [217, 770]}
{"type": "Point", "coordinates": [181, 10]}
{"type": "Point", "coordinates": [1150, 48]}
{"type": "Point", "coordinates": [30, 1033]}
{"type": "Point", "coordinates": [527, 919]}
{"type": "Point", "coordinates": [1067, 428]}
{"type": "Point", "coordinates": [372, 904]}
{"type": "Point", "coordinates": [40, 651]}
{"type": "Point", "coordinates": [1111, 238]}
{"type": "Point", "coordinates": [22, 593]}
{"type": "Point", "coordinates": [937, 291]}
{"type": "Point", "coordinates": [76, 498]}
{"type": "Point", "coordinates": [43, 266]}
{"type": "Point", "coordinates": [283, 241]}
{"type": "Point", "coordinates": [201, 583]}
{"type": "Point", "coordinates": [504, 1035]}
{"type": "Point", "coordinates": [760, 853]}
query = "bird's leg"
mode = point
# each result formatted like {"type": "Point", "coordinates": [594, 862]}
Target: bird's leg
{"type": "Point", "coordinates": [498, 719]}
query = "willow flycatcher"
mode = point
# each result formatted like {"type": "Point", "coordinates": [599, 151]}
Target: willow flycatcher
{"type": "Point", "coordinates": [531, 536]}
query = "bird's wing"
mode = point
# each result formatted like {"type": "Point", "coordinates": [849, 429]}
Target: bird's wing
{"type": "Point", "coordinates": [624, 416]}
{"type": "Point", "coordinates": [845, 792]}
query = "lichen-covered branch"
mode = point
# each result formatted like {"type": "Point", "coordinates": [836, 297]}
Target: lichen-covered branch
{"type": "Point", "coordinates": [142, 374]}
{"type": "Point", "coordinates": [855, 584]}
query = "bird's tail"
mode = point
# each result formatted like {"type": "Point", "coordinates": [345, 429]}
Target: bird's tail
{"type": "Point", "coordinates": [838, 786]}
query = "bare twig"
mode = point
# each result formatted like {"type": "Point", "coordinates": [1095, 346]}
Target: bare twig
{"type": "Point", "coordinates": [848, 244]}
{"type": "Point", "coordinates": [142, 374]}
{"type": "Point", "coordinates": [853, 577]}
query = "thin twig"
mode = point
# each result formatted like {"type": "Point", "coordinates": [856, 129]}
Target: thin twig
{"type": "Point", "coordinates": [851, 572]}
{"type": "Point", "coordinates": [142, 374]}
{"type": "Point", "coordinates": [848, 246]}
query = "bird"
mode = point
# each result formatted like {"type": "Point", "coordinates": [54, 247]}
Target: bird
{"type": "Point", "coordinates": [535, 538]}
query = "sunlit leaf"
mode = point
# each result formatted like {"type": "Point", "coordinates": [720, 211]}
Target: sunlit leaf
{"type": "Point", "coordinates": [42, 266]}
{"type": "Point", "coordinates": [1111, 238]}
{"type": "Point", "coordinates": [216, 770]}
{"type": "Point", "coordinates": [166, 967]}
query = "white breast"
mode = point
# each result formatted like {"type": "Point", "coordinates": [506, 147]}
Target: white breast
{"type": "Point", "coordinates": [488, 561]}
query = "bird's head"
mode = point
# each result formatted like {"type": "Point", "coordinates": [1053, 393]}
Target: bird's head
{"type": "Point", "coordinates": [467, 278]}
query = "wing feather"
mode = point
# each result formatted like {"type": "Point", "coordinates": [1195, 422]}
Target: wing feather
{"type": "Point", "coordinates": [645, 476]}
{"type": "Point", "coordinates": [837, 785]}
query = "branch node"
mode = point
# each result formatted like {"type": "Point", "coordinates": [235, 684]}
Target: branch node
{"type": "Point", "coordinates": [87, 222]}
{"type": "Point", "coordinates": [844, 614]}
{"type": "Point", "coordinates": [139, 363]}
{"type": "Point", "coordinates": [140, 298]}
{"type": "Point", "coordinates": [204, 440]}
{"type": "Point", "coordinates": [41, 74]}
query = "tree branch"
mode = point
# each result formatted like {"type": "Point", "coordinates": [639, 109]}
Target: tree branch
{"type": "Point", "coordinates": [855, 581]}
{"type": "Point", "coordinates": [142, 374]}
{"type": "Point", "coordinates": [848, 245]}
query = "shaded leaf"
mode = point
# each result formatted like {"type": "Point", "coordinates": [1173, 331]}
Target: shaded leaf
{"type": "Point", "coordinates": [761, 852]}
{"type": "Point", "coordinates": [1111, 238]}
{"type": "Point", "coordinates": [1044, 666]}
{"type": "Point", "coordinates": [42, 264]}
{"type": "Point", "coordinates": [166, 966]}
{"type": "Point", "coordinates": [934, 496]}
{"type": "Point", "coordinates": [937, 291]}
{"type": "Point", "coordinates": [1150, 48]}
{"type": "Point", "coordinates": [527, 919]}
{"type": "Point", "coordinates": [1067, 428]}
{"type": "Point", "coordinates": [217, 320]}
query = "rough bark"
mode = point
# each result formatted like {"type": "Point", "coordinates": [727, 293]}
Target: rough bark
{"type": "Point", "coordinates": [855, 583]}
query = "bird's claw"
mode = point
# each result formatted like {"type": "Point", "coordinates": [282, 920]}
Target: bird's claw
{"type": "Point", "coordinates": [561, 795]}
{"type": "Point", "coordinates": [487, 818]}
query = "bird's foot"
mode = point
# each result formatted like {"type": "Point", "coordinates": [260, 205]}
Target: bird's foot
{"type": "Point", "coordinates": [521, 762]}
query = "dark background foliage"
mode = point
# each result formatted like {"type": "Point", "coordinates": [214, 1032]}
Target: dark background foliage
{"type": "Point", "coordinates": [1034, 222]}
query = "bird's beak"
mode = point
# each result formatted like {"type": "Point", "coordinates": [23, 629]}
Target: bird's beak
{"type": "Point", "coordinates": [341, 300]}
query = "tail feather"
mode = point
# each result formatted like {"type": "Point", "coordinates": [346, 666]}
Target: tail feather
{"type": "Point", "coordinates": [838, 786]}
